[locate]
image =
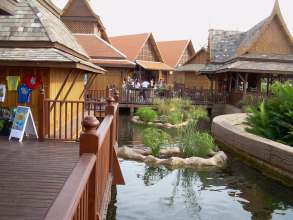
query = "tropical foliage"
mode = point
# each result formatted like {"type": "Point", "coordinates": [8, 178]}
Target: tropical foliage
{"type": "Point", "coordinates": [155, 139]}
{"type": "Point", "coordinates": [273, 118]}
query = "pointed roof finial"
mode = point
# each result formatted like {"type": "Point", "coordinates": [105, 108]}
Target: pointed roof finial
{"type": "Point", "coordinates": [276, 8]}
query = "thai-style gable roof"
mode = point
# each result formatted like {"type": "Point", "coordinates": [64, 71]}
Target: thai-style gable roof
{"type": "Point", "coordinates": [35, 25]}
{"type": "Point", "coordinates": [173, 51]}
{"type": "Point", "coordinates": [193, 59]}
{"type": "Point", "coordinates": [131, 45]}
{"type": "Point", "coordinates": [197, 62]}
{"type": "Point", "coordinates": [81, 10]}
{"type": "Point", "coordinates": [226, 45]}
{"type": "Point", "coordinates": [101, 52]}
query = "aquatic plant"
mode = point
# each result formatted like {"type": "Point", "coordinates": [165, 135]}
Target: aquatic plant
{"type": "Point", "coordinates": [273, 118]}
{"type": "Point", "coordinates": [155, 139]}
{"type": "Point", "coordinates": [197, 113]}
{"type": "Point", "coordinates": [194, 143]}
{"type": "Point", "coordinates": [175, 110]}
{"type": "Point", "coordinates": [146, 114]}
{"type": "Point", "coordinates": [175, 117]}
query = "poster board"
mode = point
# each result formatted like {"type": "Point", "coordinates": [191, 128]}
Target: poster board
{"type": "Point", "coordinates": [23, 123]}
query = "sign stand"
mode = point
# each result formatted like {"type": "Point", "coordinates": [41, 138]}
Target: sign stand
{"type": "Point", "coordinates": [23, 124]}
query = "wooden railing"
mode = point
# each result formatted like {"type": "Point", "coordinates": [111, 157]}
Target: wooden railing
{"type": "Point", "coordinates": [147, 96]}
{"type": "Point", "coordinates": [62, 119]}
{"type": "Point", "coordinates": [86, 193]}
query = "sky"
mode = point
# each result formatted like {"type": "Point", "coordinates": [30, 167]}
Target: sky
{"type": "Point", "coordinates": [183, 19]}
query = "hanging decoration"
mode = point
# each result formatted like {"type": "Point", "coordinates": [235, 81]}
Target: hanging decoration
{"type": "Point", "coordinates": [23, 93]}
{"type": "Point", "coordinates": [12, 82]}
{"type": "Point", "coordinates": [33, 82]}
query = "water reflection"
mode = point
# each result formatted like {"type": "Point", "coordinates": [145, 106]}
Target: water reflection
{"type": "Point", "coordinates": [236, 192]}
{"type": "Point", "coordinates": [158, 193]}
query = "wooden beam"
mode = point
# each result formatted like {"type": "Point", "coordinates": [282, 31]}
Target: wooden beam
{"type": "Point", "coordinates": [63, 85]}
{"type": "Point", "coordinates": [71, 86]}
{"type": "Point", "coordinates": [88, 84]}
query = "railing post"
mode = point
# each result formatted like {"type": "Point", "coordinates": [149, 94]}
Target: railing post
{"type": "Point", "coordinates": [110, 108]}
{"type": "Point", "coordinates": [89, 143]}
{"type": "Point", "coordinates": [116, 95]}
{"type": "Point", "coordinates": [41, 115]}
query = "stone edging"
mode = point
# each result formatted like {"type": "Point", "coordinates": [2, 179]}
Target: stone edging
{"type": "Point", "coordinates": [269, 155]}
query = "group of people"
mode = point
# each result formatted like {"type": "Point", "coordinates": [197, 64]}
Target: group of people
{"type": "Point", "coordinates": [131, 83]}
{"type": "Point", "coordinates": [144, 87]}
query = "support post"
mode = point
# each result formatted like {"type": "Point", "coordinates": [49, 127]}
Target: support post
{"type": "Point", "coordinates": [245, 84]}
{"type": "Point", "coordinates": [41, 115]}
{"type": "Point", "coordinates": [89, 143]}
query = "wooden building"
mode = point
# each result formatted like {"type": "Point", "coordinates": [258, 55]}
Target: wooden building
{"type": "Point", "coordinates": [175, 54]}
{"type": "Point", "coordinates": [143, 50]}
{"type": "Point", "coordinates": [35, 43]}
{"type": "Point", "coordinates": [188, 73]}
{"type": "Point", "coordinates": [91, 34]}
{"type": "Point", "coordinates": [240, 62]}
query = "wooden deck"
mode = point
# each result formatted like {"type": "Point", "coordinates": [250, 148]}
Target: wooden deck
{"type": "Point", "coordinates": [31, 176]}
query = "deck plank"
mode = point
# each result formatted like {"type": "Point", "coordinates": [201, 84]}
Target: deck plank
{"type": "Point", "coordinates": [31, 176]}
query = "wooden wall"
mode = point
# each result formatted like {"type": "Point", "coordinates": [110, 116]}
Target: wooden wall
{"type": "Point", "coordinates": [11, 96]}
{"type": "Point", "coordinates": [186, 56]}
{"type": "Point", "coordinates": [113, 76]}
{"type": "Point", "coordinates": [201, 57]}
{"type": "Point", "coordinates": [194, 80]}
{"type": "Point", "coordinates": [148, 53]}
{"type": "Point", "coordinates": [56, 79]}
{"type": "Point", "coordinates": [273, 41]}
{"type": "Point", "coordinates": [68, 93]}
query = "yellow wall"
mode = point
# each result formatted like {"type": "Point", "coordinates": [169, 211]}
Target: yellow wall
{"type": "Point", "coordinates": [113, 76]}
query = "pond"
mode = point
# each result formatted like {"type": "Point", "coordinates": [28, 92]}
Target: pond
{"type": "Point", "coordinates": [235, 192]}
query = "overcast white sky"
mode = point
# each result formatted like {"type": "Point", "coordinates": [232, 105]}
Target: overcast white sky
{"type": "Point", "coordinates": [183, 19]}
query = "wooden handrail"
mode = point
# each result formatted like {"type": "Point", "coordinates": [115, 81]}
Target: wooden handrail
{"type": "Point", "coordinates": [69, 199]}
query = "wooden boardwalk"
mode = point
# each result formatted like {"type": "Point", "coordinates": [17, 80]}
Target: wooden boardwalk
{"type": "Point", "coordinates": [31, 176]}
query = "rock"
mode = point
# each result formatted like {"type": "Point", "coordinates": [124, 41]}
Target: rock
{"type": "Point", "coordinates": [218, 160]}
{"type": "Point", "coordinates": [128, 153]}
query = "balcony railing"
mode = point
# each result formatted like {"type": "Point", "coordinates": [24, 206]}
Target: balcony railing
{"type": "Point", "coordinates": [85, 195]}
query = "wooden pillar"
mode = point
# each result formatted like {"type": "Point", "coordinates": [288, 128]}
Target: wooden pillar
{"type": "Point", "coordinates": [212, 84]}
{"type": "Point", "coordinates": [258, 85]}
{"type": "Point", "coordinates": [89, 143]}
{"type": "Point", "coordinates": [41, 115]}
{"type": "Point", "coordinates": [230, 82]}
{"type": "Point", "coordinates": [245, 84]}
{"type": "Point", "coordinates": [268, 85]}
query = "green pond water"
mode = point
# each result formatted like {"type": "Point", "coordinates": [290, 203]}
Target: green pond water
{"type": "Point", "coordinates": [237, 192]}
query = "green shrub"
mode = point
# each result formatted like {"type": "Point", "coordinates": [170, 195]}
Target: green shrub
{"type": "Point", "coordinates": [273, 118]}
{"type": "Point", "coordinates": [146, 114]}
{"type": "Point", "coordinates": [197, 113]}
{"type": "Point", "coordinates": [194, 143]}
{"type": "Point", "coordinates": [155, 139]}
{"type": "Point", "coordinates": [175, 118]}
{"type": "Point", "coordinates": [166, 106]}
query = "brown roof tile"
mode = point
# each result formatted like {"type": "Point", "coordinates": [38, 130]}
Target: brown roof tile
{"type": "Point", "coordinates": [130, 45]}
{"type": "Point", "coordinates": [172, 51]}
{"type": "Point", "coordinates": [96, 47]}
{"type": "Point", "coordinates": [101, 52]}
{"type": "Point", "coordinates": [150, 65]}
{"type": "Point", "coordinates": [113, 63]}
